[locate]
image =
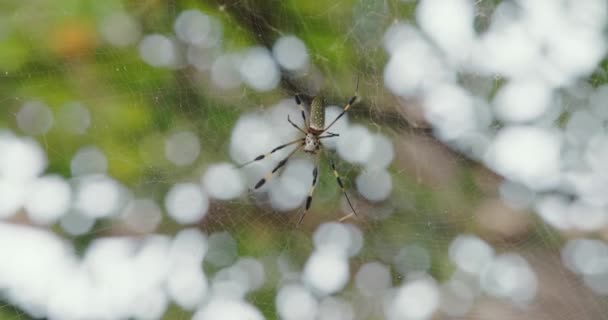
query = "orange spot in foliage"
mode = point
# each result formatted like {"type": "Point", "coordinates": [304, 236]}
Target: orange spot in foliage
{"type": "Point", "coordinates": [72, 39]}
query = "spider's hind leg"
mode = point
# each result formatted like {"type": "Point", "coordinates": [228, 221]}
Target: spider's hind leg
{"type": "Point", "coordinates": [347, 106]}
{"type": "Point", "coordinates": [296, 126]}
{"type": "Point", "coordinates": [303, 111]}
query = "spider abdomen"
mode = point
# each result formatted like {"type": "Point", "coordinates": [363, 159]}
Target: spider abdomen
{"type": "Point", "coordinates": [317, 116]}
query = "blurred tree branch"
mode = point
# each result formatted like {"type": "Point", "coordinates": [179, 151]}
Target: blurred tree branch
{"type": "Point", "coordinates": [259, 19]}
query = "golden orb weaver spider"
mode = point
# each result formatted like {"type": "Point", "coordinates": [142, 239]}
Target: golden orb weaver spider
{"type": "Point", "coordinates": [313, 132]}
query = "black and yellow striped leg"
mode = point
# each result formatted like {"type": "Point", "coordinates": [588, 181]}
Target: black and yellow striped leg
{"type": "Point", "coordinates": [344, 110]}
{"type": "Point", "coordinates": [275, 169]}
{"type": "Point", "coordinates": [295, 125]}
{"type": "Point", "coordinates": [263, 156]}
{"type": "Point", "coordinates": [315, 175]}
{"type": "Point", "coordinates": [301, 106]}
{"type": "Point", "coordinates": [341, 185]}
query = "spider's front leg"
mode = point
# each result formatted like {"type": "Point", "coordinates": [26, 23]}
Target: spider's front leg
{"type": "Point", "coordinates": [263, 156]}
{"type": "Point", "coordinates": [315, 175]}
{"type": "Point", "coordinates": [276, 168]}
{"type": "Point", "coordinates": [341, 185]}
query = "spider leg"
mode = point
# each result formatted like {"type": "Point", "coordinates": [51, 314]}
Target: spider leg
{"type": "Point", "coordinates": [263, 156]}
{"type": "Point", "coordinates": [299, 102]}
{"type": "Point", "coordinates": [352, 101]}
{"type": "Point", "coordinates": [329, 135]}
{"type": "Point", "coordinates": [295, 125]}
{"type": "Point", "coordinates": [276, 168]}
{"type": "Point", "coordinates": [315, 174]}
{"type": "Point", "coordinates": [341, 185]}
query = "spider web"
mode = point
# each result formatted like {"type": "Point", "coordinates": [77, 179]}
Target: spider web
{"type": "Point", "coordinates": [440, 191]}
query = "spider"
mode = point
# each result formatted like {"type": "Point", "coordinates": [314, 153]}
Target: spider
{"type": "Point", "coordinates": [310, 142]}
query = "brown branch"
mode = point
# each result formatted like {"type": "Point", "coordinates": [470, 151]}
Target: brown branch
{"type": "Point", "coordinates": [257, 17]}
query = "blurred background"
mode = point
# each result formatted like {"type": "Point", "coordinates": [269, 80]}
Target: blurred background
{"type": "Point", "coordinates": [475, 158]}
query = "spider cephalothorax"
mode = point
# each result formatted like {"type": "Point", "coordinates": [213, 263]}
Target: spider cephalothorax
{"type": "Point", "coordinates": [311, 143]}
{"type": "Point", "coordinates": [314, 131]}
